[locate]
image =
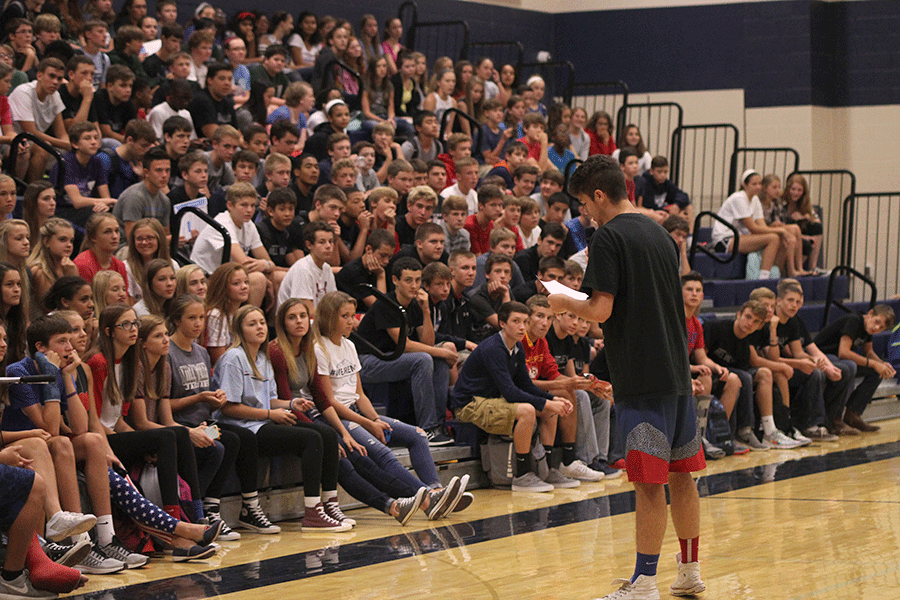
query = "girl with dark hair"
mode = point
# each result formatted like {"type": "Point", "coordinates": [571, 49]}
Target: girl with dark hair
{"type": "Point", "coordinates": [798, 209]}
{"type": "Point", "coordinates": [391, 46]}
{"type": "Point", "coordinates": [38, 205]}
{"type": "Point", "coordinates": [600, 130]}
{"type": "Point", "coordinates": [631, 136]}
{"type": "Point", "coordinates": [305, 43]}
{"type": "Point", "coordinates": [159, 289]}
{"type": "Point", "coordinates": [369, 38]}
{"type": "Point", "coordinates": [12, 312]}
{"type": "Point", "coordinates": [71, 292]}
{"type": "Point", "coordinates": [229, 289]}
{"type": "Point", "coordinates": [280, 26]}
{"type": "Point", "coordinates": [101, 240]}
{"type": "Point", "coordinates": [115, 369]}
{"type": "Point", "coordinates": [245, 374]}
{"type": "Point", "coordinates": [244, 26]}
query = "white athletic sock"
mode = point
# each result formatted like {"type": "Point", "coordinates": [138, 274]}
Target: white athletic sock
{"type": "Point", "coordinates": [250, 500]}
{"type": "Point", "coordinates": [329, 495]}
{"type": "Point", "coordinates": [311, 501]}
{"type": "Point", "coordinates": [768, 424]}
{"type": "Point", "coordinates": [105, 530]}
{"type": "Point", "coordinates": [764, 274]}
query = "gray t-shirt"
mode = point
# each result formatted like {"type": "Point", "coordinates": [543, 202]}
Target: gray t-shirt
{"type": "Point", "coordinates": [219, 178]}
{"type": "Point", "coordinates": [190, 375]}
{"type": "Point", "coordinates": [136, 203]}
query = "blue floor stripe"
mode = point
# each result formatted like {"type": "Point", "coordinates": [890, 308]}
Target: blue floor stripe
{"type": "Point", "coordinates": [382, 550]}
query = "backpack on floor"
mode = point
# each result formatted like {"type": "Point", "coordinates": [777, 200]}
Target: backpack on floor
{"type": "Point", "coordinates": [718, 431]}
{"type": "Point", "coordinates": [498, 459]}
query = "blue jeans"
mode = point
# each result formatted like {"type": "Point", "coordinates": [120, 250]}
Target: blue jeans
{"type": "Point", "coordinates": [405, 436]}
{"type": "Point", "coordinates": [429, 378]}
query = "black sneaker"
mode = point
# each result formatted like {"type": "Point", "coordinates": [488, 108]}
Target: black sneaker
{"type": "Point", "coordinates": [254, 519]}
{"type": "Point", "coordinates": [437, 437]}
{"type": "Point", "coordinates": [227, 534]}
{"type": "Point", "coordinates": [608, 471]}
{"type": "Point", "coordinates": [68, 555]}
{"type": "Point", "coordinates": [192, 553]}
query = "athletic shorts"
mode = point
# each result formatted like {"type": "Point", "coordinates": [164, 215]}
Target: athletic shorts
{"type": "Point", "coordinates": [15, 487]}
{"type": "Point", "coordinates": [661, 437]}
{"type": "Point", "coordinates": [493, 415]}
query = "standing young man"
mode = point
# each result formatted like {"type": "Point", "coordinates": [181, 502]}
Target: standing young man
{"type": "Point", "coordinates": [634, 261]}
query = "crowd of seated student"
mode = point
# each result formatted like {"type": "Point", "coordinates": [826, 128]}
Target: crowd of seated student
{"type": "Point", "coordinates": [324, 180]}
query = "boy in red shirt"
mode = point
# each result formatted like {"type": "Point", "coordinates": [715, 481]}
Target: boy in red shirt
{"type": "Point", "coordinates": [459, 145]}
{"type": "Point", "coordinates": [535, 139]}
{"type": "Point", "coordinates": [479, 225]}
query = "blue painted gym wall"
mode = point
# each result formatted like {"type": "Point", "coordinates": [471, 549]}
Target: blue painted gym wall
{"type": "Point", "coordinates": [781, 53]}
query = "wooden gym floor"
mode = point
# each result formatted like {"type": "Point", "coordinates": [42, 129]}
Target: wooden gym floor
{"type": "Point", "coordinates": [814, 523]}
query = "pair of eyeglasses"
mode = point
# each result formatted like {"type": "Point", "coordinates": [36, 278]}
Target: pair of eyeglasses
{"type": "Point", "coordinates": [128, 325]}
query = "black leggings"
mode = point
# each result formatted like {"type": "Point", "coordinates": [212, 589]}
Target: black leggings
{"type": "Point", "coordinates": [174, 457]}
{"type": "Point", "coordinates": [314, 443]}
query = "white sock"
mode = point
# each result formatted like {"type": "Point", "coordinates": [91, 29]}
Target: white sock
{"type": "Point", "coordinates": [764, 274]}
{"type": "Point", "coordinates": [329, 495]}
{"type": "Point", "coordinates": [311, 501]}
{"type": "Point", "coordinates": [105, 530]}
{"type": "Point", "coordinates": [250, 500]}
{"type": "Point", "coordinates": [768, 424]}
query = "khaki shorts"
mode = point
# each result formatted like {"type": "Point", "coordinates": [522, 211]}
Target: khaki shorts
{"type": "Point", "coordinates": [493, 415]}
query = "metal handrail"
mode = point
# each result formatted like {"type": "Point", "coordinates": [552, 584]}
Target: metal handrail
{"type": "Point", "coordinates": [9, 165]}
{"type": "Point", "coordinates": [829, 296]}
{"type": "Point", "coordinates": [347, 68]}
{"type": "Point", "coordinates": [400, 347]}
{"type": "Point", "coordinates": [695, 244]}
{"type": "Point", "coordinates": [175, 227]}
{"type": "Point", "coordinates": [474, 126]}
{"type": "Point", "coordinates": [520, 50]}
{"type": "Point", "coordinates": [411, 37]}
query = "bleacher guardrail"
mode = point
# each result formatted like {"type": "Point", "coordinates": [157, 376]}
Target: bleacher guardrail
{"type": "Point", "coordinates": [608, 96]}
{"type": "Point", "coordinates": [354, 101]}
{"type": "Point", "coordinates": [440, 38]}
{"type": "Point", "coordinates": [697, 246]}
{"type": "Point", "coordinates": [829, 296]}
{"type": "Point", "coordinates": [656, 120]}
{"type": "Point", "coordinates": [872, 236]}
{"type": "Point", "coordinates": [780, 161]}
{"type": "Point", "coordinates": [400, 346]}
{"type": "Point", "coordinates": [175, 226]}
{"type": "Point", "coordinates": [699, 161]}
{"type": "Point", "coordinates": [9, 163]}
{"type": "Point", "coordinates": [474, 127]}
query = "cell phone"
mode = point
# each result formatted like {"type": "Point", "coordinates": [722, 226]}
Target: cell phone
{"type": "Point", "coordinates": [212, 431]}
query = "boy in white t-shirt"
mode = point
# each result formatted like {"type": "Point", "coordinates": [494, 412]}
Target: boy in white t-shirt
{"type": "Point", "coordinates": [311, 277]}
{"type": "Point", "coordinates": [246, 246]}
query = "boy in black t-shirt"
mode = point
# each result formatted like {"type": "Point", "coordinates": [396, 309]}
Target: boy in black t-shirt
{"type": "Point", "coordinates": [114, 105]}
{"type": "Point", "coordinates": [368, 268]}
{"type": "Point", "coordinates": [426, 366]}
{"type": "Point", "coordinates": [284, 248]}
{"type": "Point", "coordinates": [850, 338]}
{"type": "Point", "coordinates": [634, 262]}
{"type": "Point", "coordinates": [487, 299]}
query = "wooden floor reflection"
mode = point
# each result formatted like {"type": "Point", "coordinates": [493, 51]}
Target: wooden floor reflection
{"type": "Point", "coordinates": [818, 522]}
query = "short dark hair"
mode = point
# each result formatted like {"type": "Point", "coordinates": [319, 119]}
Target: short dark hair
{"type": "Point", "coordinates": [176, 124]}
{"type": "Point", "coordinates": [173, 30]}
{"type": "Point", "coordinates": [551, 262]}
{"type": "Point", "coordinates": [599, 172]}
{"type": "Point", "coordinates": [488, 192]}
{"type": "Point", "coordinates": [558, 198]}
{"type": "Point", "coordinates": [78, 59]}
{"type": "Point", "coordinates": [190, 159]}
{"type": "Point", "coordinates": [554, 230]}
{"type": "Point", "coordinates": [281, 128]}
{"type": "Point", "coordinates": [493, 259]}
{"type": "Point", "coordinates": [43, 328]}
{"type": "Point", "coordinates": [676, 223]}
{"type": "Point", "coordinates": [508, 308]}
{"type": "Point", "coordinates": [436, 163]}
{"type": "Point", "coordinates": [627, 152]}
{"type": "Point", "coordinates": [214, 68]}
{"type": "Point", "coordinates": [310, 229]}
{"type": "Point", "coordinates": [248, 156]}
{"type": "Point", "coordinates": [516, 146]}
{"type": "Point", "coordinates": [420, 117]}
{"type": "Point", "coordinates": [327, 192]}
{"type": "Point", "coordinates": [428, 228]}
{"type": "Point", "coordinates": [274, 49]}
{"type": "Point", "coordinates": [117, 73]}
{"type": "Point", "coordinates": [405, 263]}
{"type": "Point", "coordinates": [691, 276]}
{"type": "Point", "coordinates": [155, 153]}
{"type": "Point", "coordinates": [659, 161]}
{"type": "Point", "coordinates": [525, 170]}
{"type": "Point", "coordinates": [379, 238]}
{"type": "Point", "coordinates": [280, 196]}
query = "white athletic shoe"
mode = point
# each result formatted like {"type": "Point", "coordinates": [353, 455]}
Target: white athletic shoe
{"type": "Point", "coordinates": [688, 582]}
{"type": "Point", "coordinates": [643, 588]}
{"type": "Point", "coordinates": [779, 441]}
{"type": "Point", "coordinates": [580, 471]}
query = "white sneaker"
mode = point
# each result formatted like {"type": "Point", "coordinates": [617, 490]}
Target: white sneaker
{"type": "Point", "coordinates": [779, 441]}
{"type": "Point", "coordinates": [749, 439]}
{"type": "Point", "coordinates": [21, 587]}
{"type": "Point", "coordinates": [688, 582]}
{"type": "Point", "coordinates": [65, 523]}
{"type": "Point", "coordinates": [529, 482]}
{"type": "Point", "coordinates": [799, 437]}
{"type": "Point", "coordinates": [579, 470]}
{"type": "Point", "coordinates": [643, 588]}
{"type": "Point", "coordinates": [558, 480]}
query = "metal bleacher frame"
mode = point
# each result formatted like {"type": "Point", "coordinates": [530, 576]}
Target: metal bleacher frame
{"type": "Point", "coordinates": [474, 127]}
{"type": "Point", "coordinates": [697, 246]}
{"type": "Point", "coordinates": [9, 163]}
{"type": "Point", "coordinates": [354, 101]}
{"type": "Point", "coordinates": [699, 160]}
{"type": "Point", "coordinates": [557, 74]}
{"type": "Point", "coordinates": [589, 95]}
{"type": "Point", "coordinates": [656, 120]}
{"type": "Point", "coordinates": [763, 161]}
{"type": "Point", "coordinates": [412, 27]}
{"type": "Point", "coordinates": [871, 234]}
{"type": "Point", "coordinates": [493, 50]}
